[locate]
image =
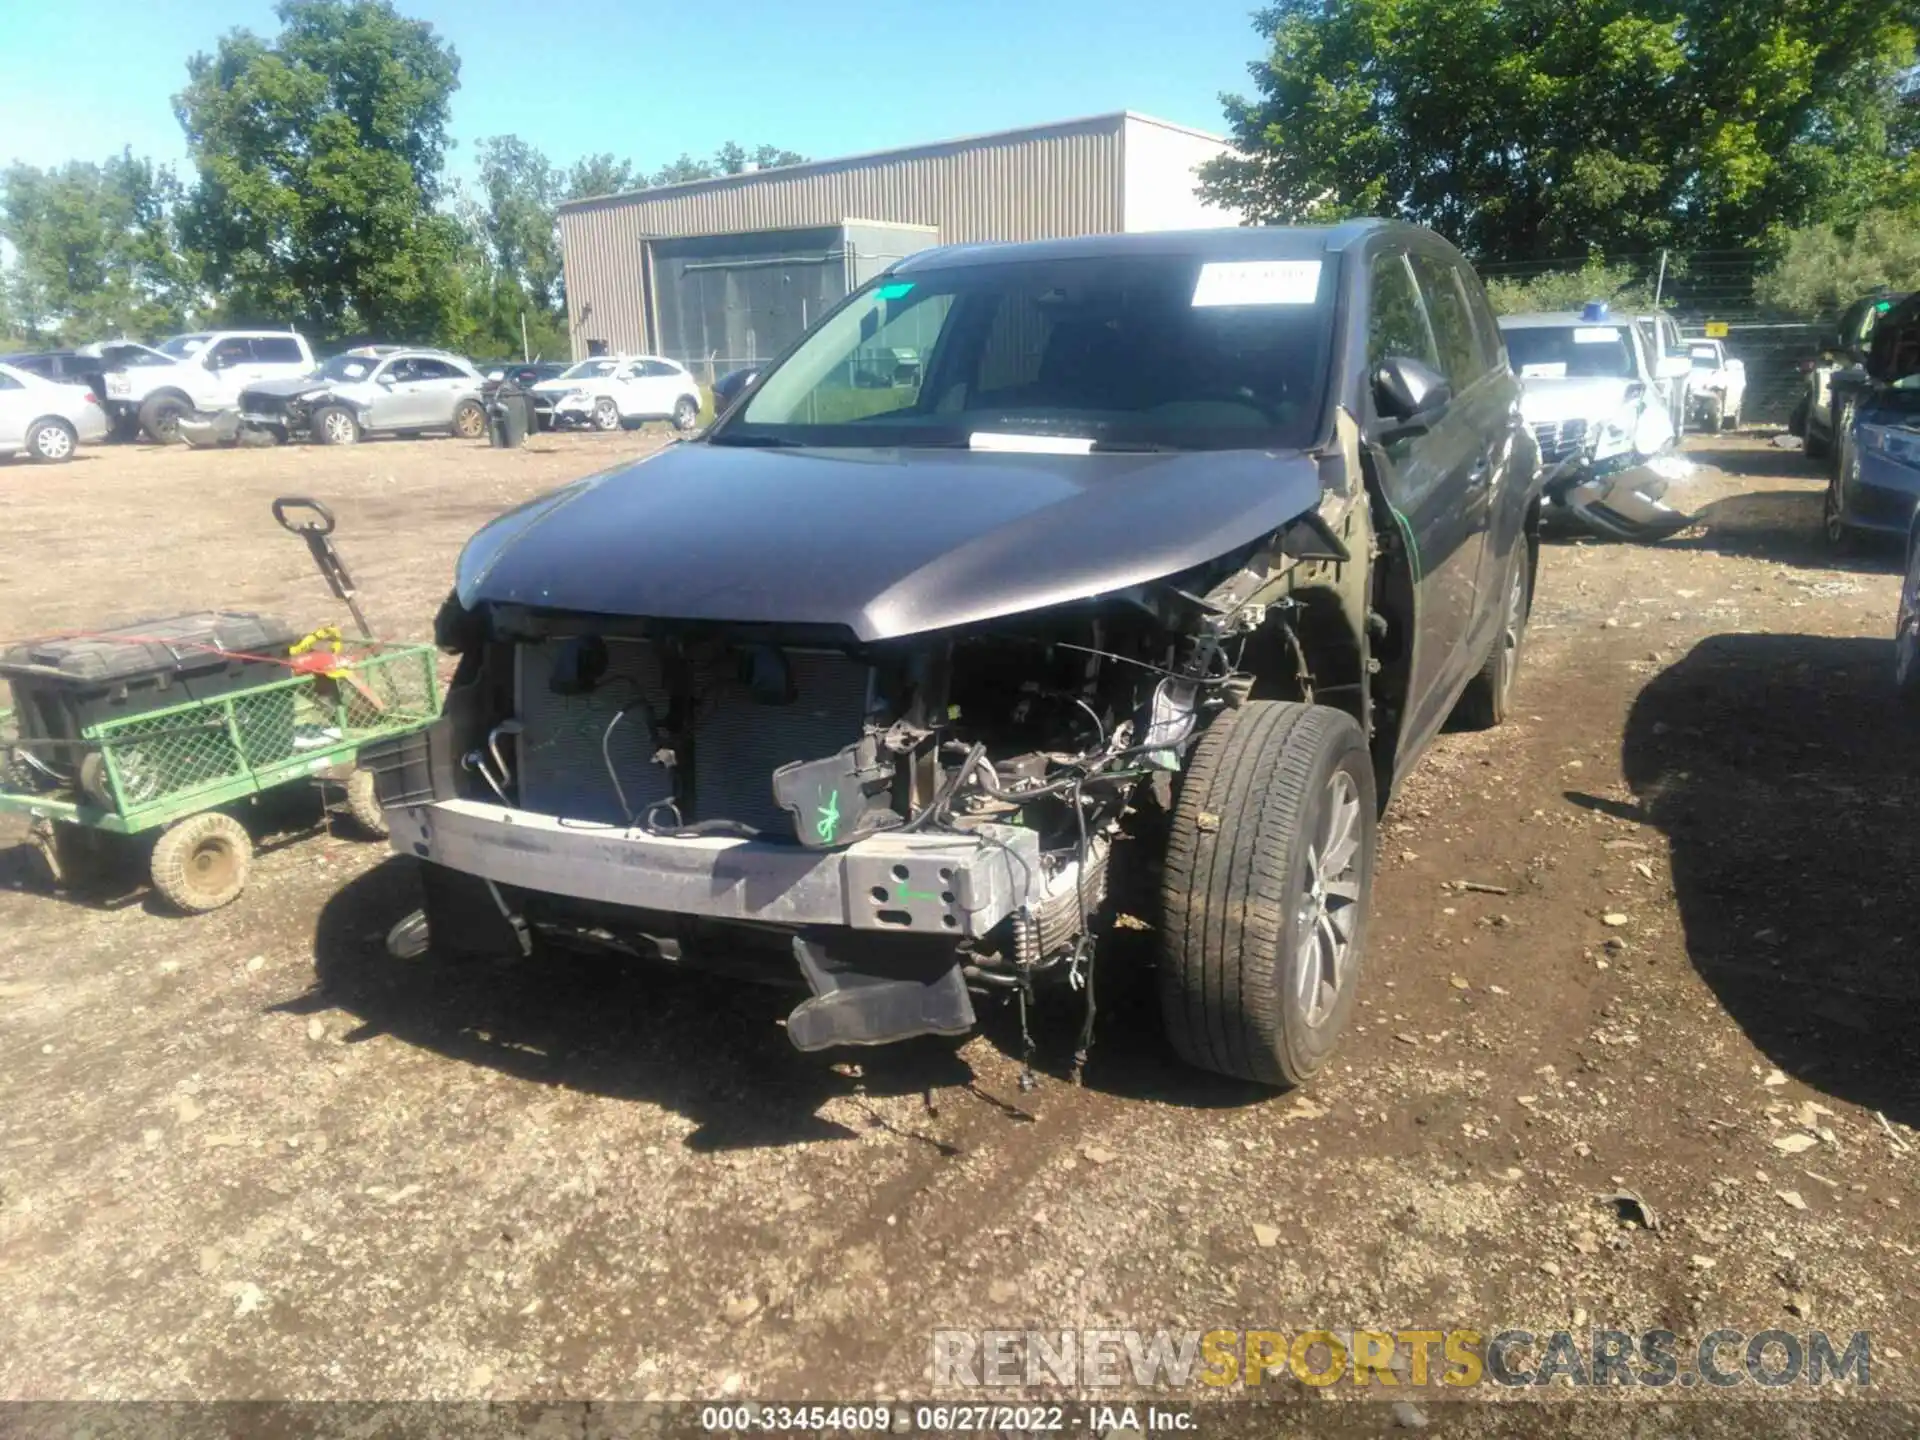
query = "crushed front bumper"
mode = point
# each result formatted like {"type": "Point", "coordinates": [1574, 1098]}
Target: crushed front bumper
{"type": "Point", "coordinates": [927, 885]}
{"type": "Point", "coordinates": [1629, 497]}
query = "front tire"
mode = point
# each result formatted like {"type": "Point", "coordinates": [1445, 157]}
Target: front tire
{"type": "Point", "coordinates": [51, 442]}
{"type": "Point", "coordinates": [1833, 521]}
{"type": "Point", "coordinates": [160, 418]}
{"type": "Point", "coordinates": [686, 414]}
{"type": "Point", "coordinates": [606, 414]}
{"type": "Point", "coordinates": [335, 425]}
{"type": "Point", "coordinates": [1488, 698]}
{"type": "Point", "coordinates": [1269, 866]}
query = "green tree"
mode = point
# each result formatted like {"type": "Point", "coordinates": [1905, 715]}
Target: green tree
{"type": "Point", "coordinates": [1623, 287]}
{"type": "Point", "coordinates": [1822, 268]}
{"type": "Point", "coordinates": [1533, 129]}
{"type": "Point", "coordinates": [602, 174]}
{"type": "Point", "coordinates": [96, 253]}
{"type": "Point", "coordinates": [515, 218]}
{"type": "Point", "coordinates": [319, 156]}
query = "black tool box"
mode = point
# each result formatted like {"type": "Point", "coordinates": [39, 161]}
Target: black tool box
{"type": "Point", "coordinates": [64, 685]}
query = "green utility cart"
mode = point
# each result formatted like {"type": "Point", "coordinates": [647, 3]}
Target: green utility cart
{"type": "Point", "coordinates": [168, 725]}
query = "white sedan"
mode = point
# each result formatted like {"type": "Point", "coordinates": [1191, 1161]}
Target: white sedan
{"type": "Point", "coordinates": [607, 392]}
{"type": "Point", "coordinates": [44, 419]}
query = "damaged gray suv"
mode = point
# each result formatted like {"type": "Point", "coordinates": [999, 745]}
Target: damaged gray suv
{"type": "Point", "coordinates": [1186, 541]}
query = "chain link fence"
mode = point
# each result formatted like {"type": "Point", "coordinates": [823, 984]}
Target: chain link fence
{"type": "Point", "coordinates": [1707, 292]}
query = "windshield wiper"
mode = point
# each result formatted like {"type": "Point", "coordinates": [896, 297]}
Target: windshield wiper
{"type": "Point", "coordinates": [1134, 447]}
{"type": "Point", "coordinates": [768, 440]}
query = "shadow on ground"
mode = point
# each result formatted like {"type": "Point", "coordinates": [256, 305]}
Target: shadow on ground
{"type": "Point", "coordinates": [706, 1048]}
{"type": "Point", "coordinates": [713, 1049]}
{"type": "Point", "coordinates": [1785, 773]}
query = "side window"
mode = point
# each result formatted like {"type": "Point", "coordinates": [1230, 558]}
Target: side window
{"type": "Point", "coordinates": [656, 369]}
{"type": "Point", "coordinates": [7, 382]}
{"type": "Point", "coordinates": [1396, 319]}
{"type": "Point", "coordinates": [399, 371]}
{"type": "Point", "coordinates": [231, 351]}
{"type": "Point", "coordinates": [1486, 329]}
{"type": "Point", "coordinates": [1452, 322]}
{"type": "Point", "coordinates": [425, 369]}
{"type": "Point", "coordinates": [277, 349]}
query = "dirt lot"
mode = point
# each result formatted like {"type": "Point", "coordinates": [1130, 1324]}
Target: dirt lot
{"type": "Point", "coordinates": [249, 1155]}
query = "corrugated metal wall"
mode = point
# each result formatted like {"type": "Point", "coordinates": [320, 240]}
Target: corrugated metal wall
{"type": "Point", "coordinates": [1026, 185]}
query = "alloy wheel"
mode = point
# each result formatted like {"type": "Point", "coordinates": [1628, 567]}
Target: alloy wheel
{"type": "Point", "coordinates": [1328, 913]}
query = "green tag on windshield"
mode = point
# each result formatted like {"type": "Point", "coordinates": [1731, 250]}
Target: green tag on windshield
{"type": "Point", "coordinates": [896, 291]}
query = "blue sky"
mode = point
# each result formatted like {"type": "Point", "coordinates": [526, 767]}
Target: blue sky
{"type": "Point", "coordinates": [650, 81]}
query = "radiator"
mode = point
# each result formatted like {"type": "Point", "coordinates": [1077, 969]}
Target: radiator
{"type": "Point", "coordinates": [562, 771]}
{"type": "Point", "coordinates": [737, 742]}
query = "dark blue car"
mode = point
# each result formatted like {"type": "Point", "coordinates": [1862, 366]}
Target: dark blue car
{"type": "Point", "coordinates": [1876, 483]}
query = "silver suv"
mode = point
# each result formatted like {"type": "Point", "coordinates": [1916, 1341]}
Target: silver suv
{"type": "Point", "coordinates": [389, 389]}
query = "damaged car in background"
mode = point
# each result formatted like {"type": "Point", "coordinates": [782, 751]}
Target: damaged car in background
{"type": "Point", "coordinates": [1593, 398]}
{"type": "Point", "coordinates": [1183, 542]}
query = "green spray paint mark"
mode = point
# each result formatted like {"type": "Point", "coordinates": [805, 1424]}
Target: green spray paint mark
{"type": "Point", "coordinates": [1413, 546]}
{"type": "Point", "coordinates": [898, 290]}
{"type": "Point", "coordinates": [904, 894]}
{"type": "Point", "coordinates": [829, 821]}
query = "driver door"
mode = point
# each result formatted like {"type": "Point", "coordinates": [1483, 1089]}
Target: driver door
{"type": "Point", "coordinates": [230, 363]}
{"type": "Point", "coordinates": [389, 407]}
{"type": "Point", "coordinates": [1435, 482]}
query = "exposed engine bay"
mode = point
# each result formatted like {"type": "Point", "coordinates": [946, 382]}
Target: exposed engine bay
{"type": "Point", "coordinates": [1022, 742]}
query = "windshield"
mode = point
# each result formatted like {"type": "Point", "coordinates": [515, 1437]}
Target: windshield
{"type": "Point", "coordinates": [1154, 351]}
{"type": "Point", "coordinates": [592, 370]}
{"type": "Point", "coordinates": [1705, 357]}
{"type": "Point", "coordinates": [347, 367]}
{"type": "Point", "coordinates": [128, 355]}
{"type": "Point", "coordinates": [1570, 352]}
{"type": "Point", "coordinates": [181, 347]}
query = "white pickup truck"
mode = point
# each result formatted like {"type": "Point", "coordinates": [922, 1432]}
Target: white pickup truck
{"type": "Point", "coordinates": [206, 370]}
{"type": "Point", "coordinates": [1717, 387]}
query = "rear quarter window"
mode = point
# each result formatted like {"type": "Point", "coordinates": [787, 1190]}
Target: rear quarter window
{"type": "Point", "coordinates": [277, 350]}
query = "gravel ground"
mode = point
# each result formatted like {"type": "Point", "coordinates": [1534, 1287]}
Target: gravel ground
{"type": "Point", "coordinates": [248, 1155]}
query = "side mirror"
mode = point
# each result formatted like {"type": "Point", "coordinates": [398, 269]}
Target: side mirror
{"type": "Point", "coordinates": [1672, 367]}
{"type": "Point", "coordinates": [1409, 394]}
{"type": "Point", "coordinates": [728, 387]}
{"type": "Point", "coordinates": [1850, 381]}
{"type": "Point", "coordinates": [385, 377]}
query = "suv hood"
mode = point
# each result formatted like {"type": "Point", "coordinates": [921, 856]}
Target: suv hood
{"type": "Point", "coordinates": [883, 542]}
{"type": "Point", "coordinates": [298, 385]}
{"type": "Point", "coordinates": [1546, 401]}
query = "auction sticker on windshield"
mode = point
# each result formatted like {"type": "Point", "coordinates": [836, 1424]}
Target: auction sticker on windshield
{"type": "Point", "coordinates": [1595, 335]}
{"type": "Point", "coordinates": [1258, 282]}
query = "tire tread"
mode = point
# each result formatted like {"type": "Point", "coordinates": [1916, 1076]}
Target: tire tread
{"type": "Point", "coordinates": [1225, 889]}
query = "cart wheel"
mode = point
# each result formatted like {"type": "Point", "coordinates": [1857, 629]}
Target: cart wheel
{"type": "Point", "coordinates": [202, 863]}
{"type": "Point", "coordinates": [363, 803]}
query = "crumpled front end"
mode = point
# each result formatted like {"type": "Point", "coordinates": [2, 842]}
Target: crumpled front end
{"type": "Point", "coordinates": [894, 824]}
{"type": "Point", "coordinates": [1614, 470]}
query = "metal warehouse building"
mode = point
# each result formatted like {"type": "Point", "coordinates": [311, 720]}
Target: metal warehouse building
{"type": "Point", "coordinates": [725, 272]}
